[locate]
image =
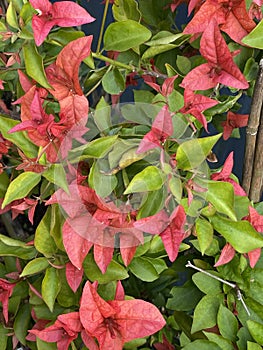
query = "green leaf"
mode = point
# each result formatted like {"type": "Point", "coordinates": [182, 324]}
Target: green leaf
{"type": "Point", "coordinates": [221, 195]}
{"type": "Point", "coordinates": [156, 50]}
{"type": "Point", "coordinates": [63, 36]}
{"type": "Point", "coordinates": [223, 106]}
{"type": "Point", "coordinates": [240, 234]}
{"type": "Point", "coordinates": [207, 284]}
{"type": "Point", "coordinates": [254, 38]}
{"type": "Point", "coordinates": [184, 298]}
{"type": "Point", "coordinates": [113, 82]}
{"type": "Point", "coordinates": [164, 37]}
{"type": "Point", "coordinates": [102, 183]}
{"type": "Point", "coordinates": [35, 266]}
{"type": "Point", "coordinates": [149, 179]}
{"type": "Point", "coordinates": [44, 242]}
{"type": "Point", "coordinates": [21, 323]}
{"type": "Point", "coordinates": [204, 231]}
{"type": "Point", "coordinates": [256, 330]}
{"type": "Point", "coordinates": [153, 203]}
{"type": "Point", "coordinates": [126, 9]}
{"type": "Point", "coordinates": [21, 186]}
{"type": "Point", "coordinates": [143, 269]}
{"type": "Point", "coordinates": [42, 345]}
{"type": "Point", "coordinates": [13, 247]}
{"type": "Point", "coordinates": [114, 272]}
{"type": "Point", "coordinates": [94, 149]}
{"type": "Point", "coordinates": [227, 323]}
{"type": "Point", "coordinates": [56, 223]}
{"type": "Point", "coordinates": [57, 175]}
{"type": "Point", "coordinates": [50, 287]}
{"type": "Point", "coordinates": [4, 182]}
{"type": "Point", "coordinates": [176, 187]}
{"type": "Point", "coordinates": [253, 346]}
{"type": "Point", "coordinates": [220, 341]}
{"type": "Point", "coordinates": [124, 35]}
{"type": "Point", "coordinates": [11, 16]}
{"type": "Point", "coordinates": [34, 64]}
{"type": "Point", "coordinates": [251, 69]}
{"type": "Point", "coordinates": [18, 138]}
{"type": "Point", "coordinates": [202, 345]}
{"type": "Point", "coordinates": [205, 313]}
{"type": "Point", "coordinates": [183, 64]}
{"type": "Point", "coordinates": [190, 154]}
{"type": "Point", "coordinates": [102, 115]}
{"type": "Point", "coordinates": [66, 297]}
{"type": "Point", "coordinates": [3, 336]}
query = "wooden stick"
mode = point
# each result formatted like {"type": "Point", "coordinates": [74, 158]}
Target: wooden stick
{"type": "Point", "coordinates": [252, 129]}
{"type": "Point", "coordinates": [257, 175]}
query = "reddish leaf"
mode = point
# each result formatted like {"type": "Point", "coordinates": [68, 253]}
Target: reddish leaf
{"type": "Point", "coordinates": [225, 173]}
{"type": "Point", "coordinates": [231, 16]}
{"type": "Point", "coordinates": [103, 256]}
{"type": "Point", "coordinates": [74, 276]}
{"type": "Point", "coordinates": [63, 331]}
{"type": "Point", "coordinates": [89, 341]}
{"type": "Point", "coordinates": [220, 67]}
{"type": "Point", "coordinates": [174, 234]}
{"type": "Point", "coordinates": [165, 345]}
{"type": "Point", "coordinates": [162, 128]}
{"type": "Point", "coordinates": [195, 104]}
{"type": "Point", "coordinates": [63, 77]}
{"type": "Point", "coordinates": [233, 121]}
{"type": "Point", "coordinates": [115, 322]}
{"type": "Point", "coordinates": [254, 256]}
{"type": "Point", "coordinates": [154, 224]}
{"type": "Point", "coordinates": [227, 254]}
{"type": "Point", "coordinates": [167, 87]}
{"type": "Point", "coordinates": [6, 290]}
{"type": "Point", "coordinates": [119, 294]}
{"type": "Point", "coordinates": [63, 14]}
{"type": "Point", "coordinates": [77, 251]}
{"type": "Point", "coordinates": [255, 219]}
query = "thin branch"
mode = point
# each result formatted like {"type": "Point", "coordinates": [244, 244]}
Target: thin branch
{"type": "Point", "coordinates": [102, 25]}
{"type": "Point", "coordinates": [252, 130]}
{"type": "Point", "coordinates": [257, 174]}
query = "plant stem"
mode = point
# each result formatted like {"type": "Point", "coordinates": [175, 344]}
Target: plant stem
{"type": "Point", "coordinates": [102, 25]}
{"type": "Point", "coordinates": [257, 176]}
{"type": "Point", "coordinates": [113, 62]}
{"type": "Point", "coordinates": [252, 130]}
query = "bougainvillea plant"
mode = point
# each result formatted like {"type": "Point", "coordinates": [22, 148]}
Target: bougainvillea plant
{"type": "Point", "coordinates": [116, 231]}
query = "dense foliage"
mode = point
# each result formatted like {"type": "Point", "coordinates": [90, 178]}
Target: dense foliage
{"type": "Point", "coordinates": [121, 235]}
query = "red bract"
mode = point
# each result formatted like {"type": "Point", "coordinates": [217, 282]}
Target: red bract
{"type": "Point", "coordinates": [195, 104]}
{"type": "Point", "coordinates": [93, 222]}
{"type": "Point", "coordinates": [27, 204]}
{"type": "Point", "coordinates": [6, 290]}
{"type": "Point", "coordinates": [65, 329]}
{"type": "Point", "coordinates": [231, 16]}
{"type": "Point", "coordinates": [165, 345]}
{"type": "Point", "coordinates": [174, 234]}
{"type": "Point", "coordinates": [220, 67]}
{"type": "Point", "coordinates": [63, 14]}
{"type": "Point", "coordinates": [225, 173]}
{"type": "Point", "coordinates": [63, 77]}
{"type": "Point", "coordinates": [115, 322]}
{"type": "Point", "coordinates": [227, 254]}
{"type": "Point", "coordinates": [4, 146]}
{"type": "Point", "coordinates": [162, 128]}
{"type": "Point", "coordinates": [233, 121]}
{"type": "Point", "coordinates": [74, 276]}
{"type": "Point", "coordinates": [167, 87]}
{"type": "Point", "coordinates": [154, 224]}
